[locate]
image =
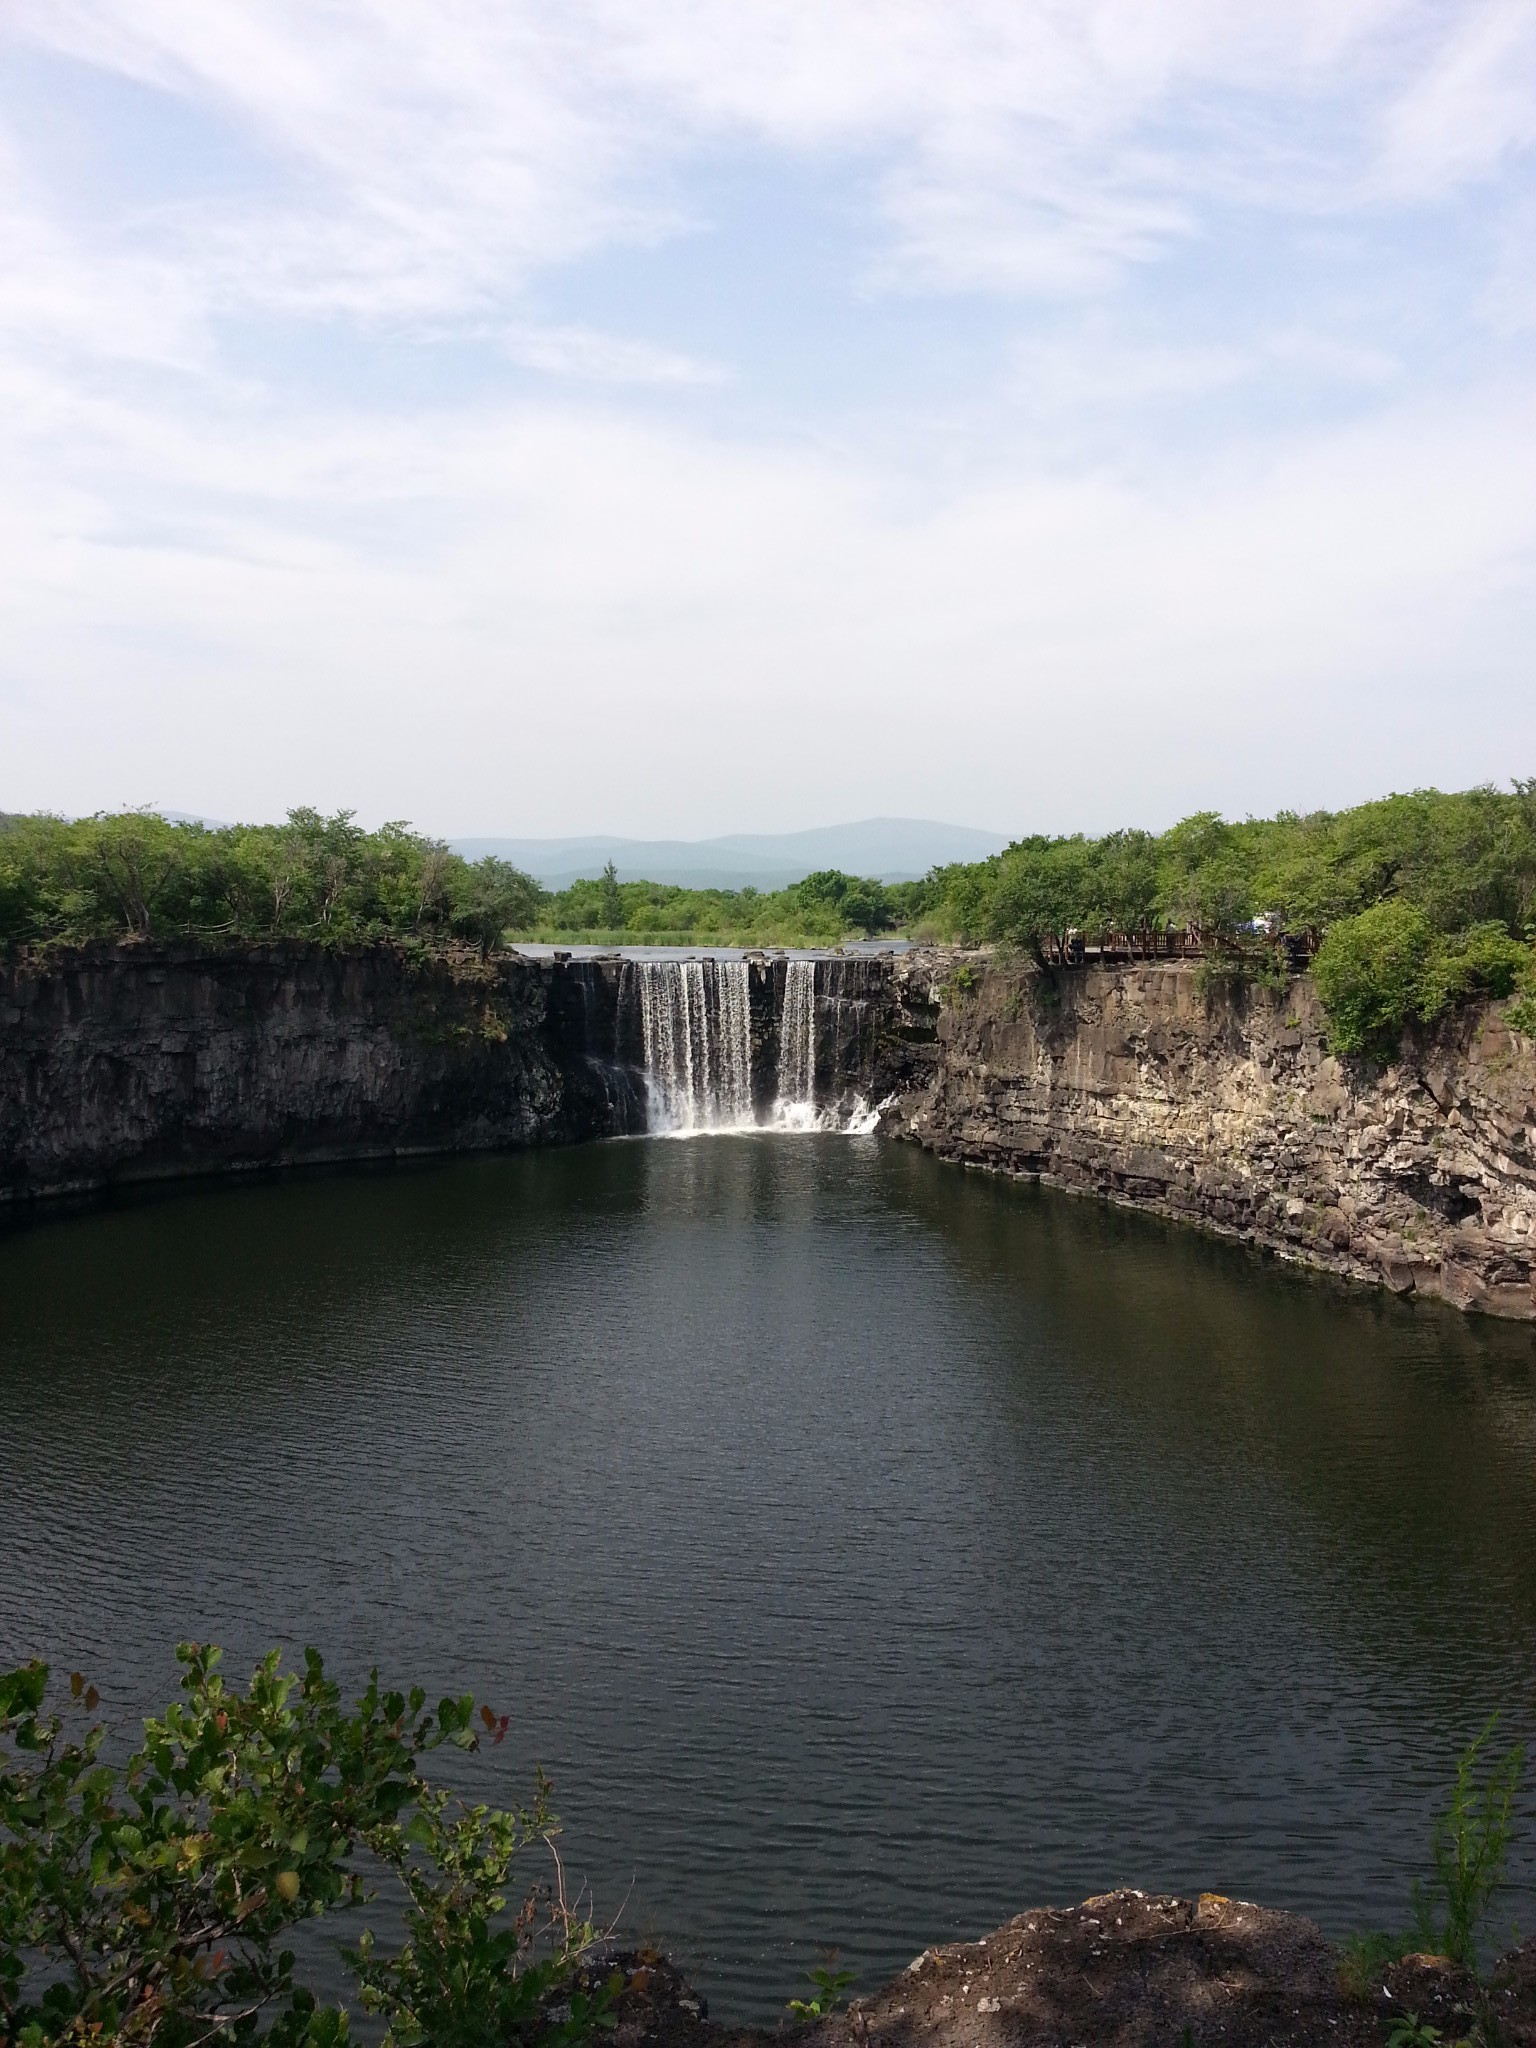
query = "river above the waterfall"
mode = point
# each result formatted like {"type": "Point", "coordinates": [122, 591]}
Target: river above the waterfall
{"type": "Point", "coordinates": [867, 1549]}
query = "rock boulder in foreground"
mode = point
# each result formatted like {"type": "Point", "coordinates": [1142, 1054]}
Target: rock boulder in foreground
{"type": "Point", "coordinates": [1130, 1970]}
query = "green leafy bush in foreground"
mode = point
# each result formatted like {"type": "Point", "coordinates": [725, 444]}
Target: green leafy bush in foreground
{"type": "Point", "coordinates": [149, 1902]}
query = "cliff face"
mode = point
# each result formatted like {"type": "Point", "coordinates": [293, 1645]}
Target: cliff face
{"type": "Point", "coordinates": [133, 1062]}
{"type": "Point", "coordinates": [1231, 1112]}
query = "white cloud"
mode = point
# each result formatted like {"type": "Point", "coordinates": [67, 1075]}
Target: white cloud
{"type": "Point", "coordinates": [553, 618]}
{"type": "Point", "coordinates": [590, 357]}
{"type": "Point", "coordinates": [1138, 574]}
{"type": "Point", "coordinates": [1473, 107]}
{"type": "Point", "coordinates": [437, 156]}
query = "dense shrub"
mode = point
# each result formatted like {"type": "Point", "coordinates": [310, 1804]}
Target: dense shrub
{"type": "Point", "coordinates": [151, 1901]}
{"type": "Point", "coordinates": [1481, 961]}
{"type": "Point", "coordinates": [1370, 973]}
{"type": "Point", "coordinates": [1378, 971]}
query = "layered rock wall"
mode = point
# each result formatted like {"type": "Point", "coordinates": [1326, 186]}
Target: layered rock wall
{"type": "Point", "coordinates": [1224, 1107]}
{"type": "Point", "coordinates": [121, 1063]}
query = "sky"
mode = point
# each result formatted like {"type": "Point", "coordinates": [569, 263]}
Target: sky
{"type": "Point", "coordinates": [679, 417]}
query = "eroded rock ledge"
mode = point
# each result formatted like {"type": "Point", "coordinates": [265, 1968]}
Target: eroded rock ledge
{"type": "Point", "coordinates": [1225, 1108]}
{"type": "Point", "coordinates": [1129, 1970]}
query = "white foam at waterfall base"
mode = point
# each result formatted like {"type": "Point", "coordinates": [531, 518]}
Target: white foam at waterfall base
{"type": "Point", "coordinates": [795, 1107]}
{"type": "Point", "coordinates": [862, 1118]}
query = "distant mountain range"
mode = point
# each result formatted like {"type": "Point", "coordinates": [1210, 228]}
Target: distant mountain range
{"type": "Point", "coordinates": [890, 849]}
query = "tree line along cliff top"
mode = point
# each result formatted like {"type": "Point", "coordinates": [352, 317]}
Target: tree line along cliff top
{"type": "Point", "coordinates": [1412, 905]}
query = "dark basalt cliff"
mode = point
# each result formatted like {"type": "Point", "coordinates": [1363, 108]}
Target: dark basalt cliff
{"type": "Point", "coordinates": [137, 1062]}
{"type": "Point", "coordinates": [1225, 1108]}
{"type": "Point", "coordinates": [144, 1061]}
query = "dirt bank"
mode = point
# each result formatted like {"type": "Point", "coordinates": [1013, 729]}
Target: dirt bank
{"type": "Point", "coordinates": [1127, 1970]}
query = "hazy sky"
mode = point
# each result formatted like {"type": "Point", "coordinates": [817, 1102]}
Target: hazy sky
{"type": "Point", "coordinates": [685, 416]}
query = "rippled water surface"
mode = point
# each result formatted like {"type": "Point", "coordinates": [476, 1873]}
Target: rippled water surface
{"type": "Point", "coordinates": [868, 1550]}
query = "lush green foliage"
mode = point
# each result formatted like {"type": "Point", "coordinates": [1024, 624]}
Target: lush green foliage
{"type": "Point", "coordinates": [1388, 964]}
{"type": "Point", "coordinates": [312, 876]}
{"type": "Point", "coordinates": [136, 873]}
{"type": "Point", "coordinates": [1416, 903]}
{"type": "Point", "coordinates": [819, 910]}
{"type": "Point", "coordinates": [1469, 1854]}
{"type": "Point", "coordinates": [1470, 1850]}
{"type": "Point", "coordinates": [1369, 971]}
{"type": "Point", "coordinates": [148, 1902]}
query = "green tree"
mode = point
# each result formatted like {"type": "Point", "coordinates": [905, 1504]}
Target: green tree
{"type": "Point", "coordinates": [611, 899]}
{"type": "Point", "coordinates": [129, 862]}
{"type": "Point", "coordinates": [1045, 889]}
{"type": "Point", "coordinates": [1130, 886]}
{"type": "Point", "coordinates": [21, 880]}
{"type": "Point", "coordinates": [492, 898]}
{"type": "Point", "coordinates": [1207, 868]}
{"type": "Point", "coordinates": [1370, 973]}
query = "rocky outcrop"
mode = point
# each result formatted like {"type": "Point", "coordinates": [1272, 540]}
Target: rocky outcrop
{"type": "Point", "coordinates": [1128, 1969]}
{"type": "Point", "coordinates": [123, 1063]}
{"type": "Point", "coordinates": [1224, 1107]}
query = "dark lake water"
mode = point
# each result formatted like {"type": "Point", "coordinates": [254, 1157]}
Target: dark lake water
{"type": "Point", "coordinates": [867, 1549]}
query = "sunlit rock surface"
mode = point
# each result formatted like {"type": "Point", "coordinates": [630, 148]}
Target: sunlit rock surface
{"type": "Point", "coordinates": [1229, 1110]}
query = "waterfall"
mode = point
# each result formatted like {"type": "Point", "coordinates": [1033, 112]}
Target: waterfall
{"type": "Point", "coordinates": [695, 1018]}
{"type": "Point", "coordinates": [797, 1045]}
{"type": "Point", "coordinates": [688, 1027]}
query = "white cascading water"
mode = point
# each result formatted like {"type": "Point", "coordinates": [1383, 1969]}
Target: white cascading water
{"type": "Point", "coordinates": [696, 1025]}
{"type": "Point", "coordinates": [795, 1108]}
{"type": "Point", "coordinates": [695, 1016]}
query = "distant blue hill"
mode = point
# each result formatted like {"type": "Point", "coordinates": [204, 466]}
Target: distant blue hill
{"type": "Point", "coordinates": [891, 849]}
